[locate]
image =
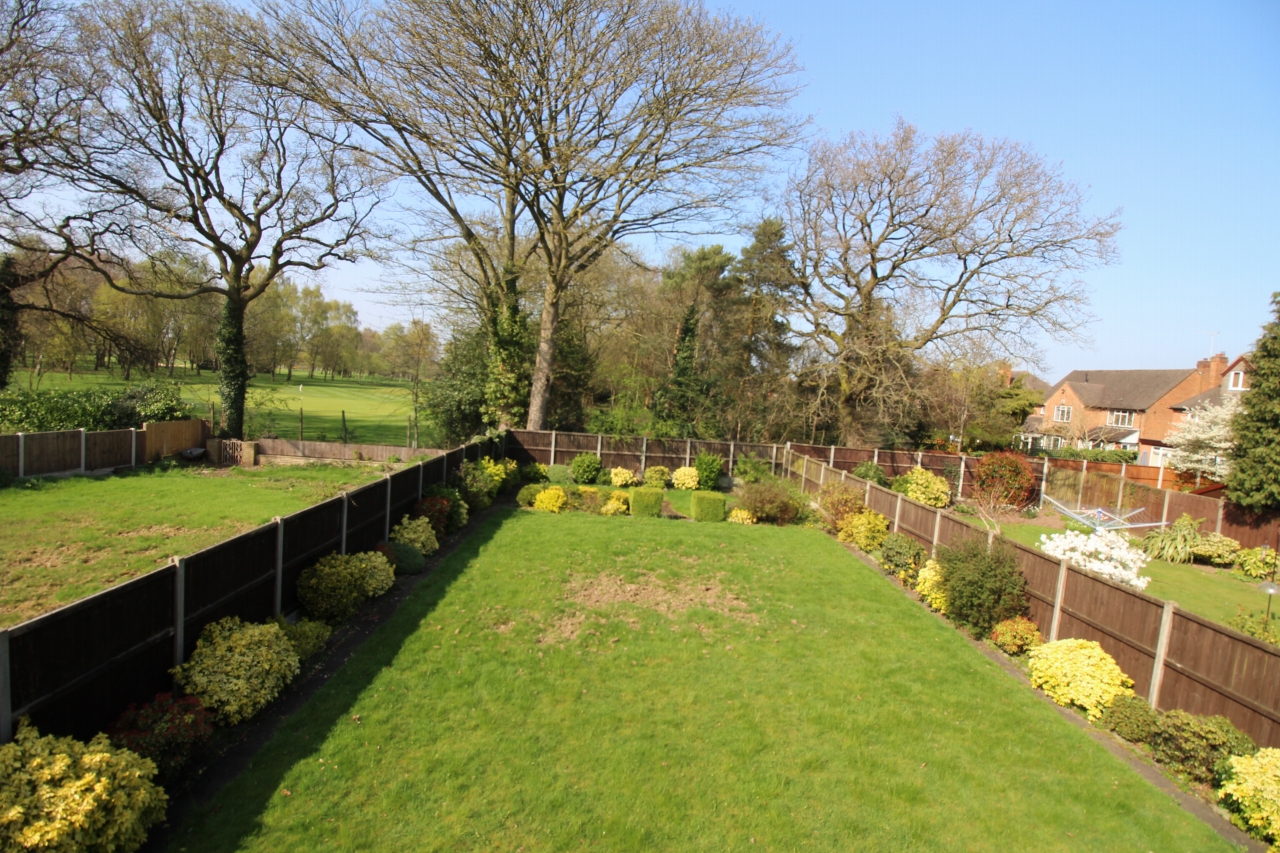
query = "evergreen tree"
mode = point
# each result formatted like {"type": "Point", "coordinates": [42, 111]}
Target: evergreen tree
{"type": "Point", "coordinates": [10, 331]}
{"type": "Point", "coordinates": [1255, 475]}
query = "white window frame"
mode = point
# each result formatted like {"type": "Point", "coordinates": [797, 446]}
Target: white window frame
{"type": "Point", "coordinates": [1059, 411]}
{"type": "Point", "coordinates": [1120, 417]}
{"type": "Point", "coordinates": [1236, 381]}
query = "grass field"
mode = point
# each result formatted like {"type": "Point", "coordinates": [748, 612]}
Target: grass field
{"type": "Point", "coordinates": [63, 539]}
{"type": "Point", "coordinates": [376, 409]}
{"type": "Point", "coordinates": [1212, 593]}
{"type": "Point", "coordinates": [564, 682]}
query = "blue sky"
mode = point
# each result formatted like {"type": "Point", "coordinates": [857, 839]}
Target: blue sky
{"type": "Point", "coordinates": [1169, 111]}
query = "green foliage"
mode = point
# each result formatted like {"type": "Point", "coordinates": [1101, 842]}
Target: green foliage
{"type": "Point", "coordinates": [585, 498]}
{"type": "Point", "coordinates": [334, 588]}
{"type": "Point", "coordinates": [1256, 625]}
{"type": "Point", "coordinates": [769, 500]}
{"type": "Point", "coordinates": [417, 533]}
{"type": "Point", "coordinates": [477, 484]}
{"type": "Point", "coordinates": [1215, 549]}
{"type": "Point", "coordinates": [657, 476]}
{"type": "Point", "coordinates": [709, 466]}
{"type": "Point", "coordinates": [404, 559]}
{"type": "Point", "coordinates": [91, 409]}
{"type": "Point", "coordinates": [1251, 792]}
{"type": "Point", "coordinates": [527, 493]}
{"type": "Point", "coordinates": [983, 587]}
{"type": "Point", "coordinates": [238, 668]}
{"type": "Point", "coordinates": [1175, 543]}
{"type": "Point", "coordinates": [839, 500]}
{"type": "Point", "coordinates": [1257, 563]}
{"type": "Point", "coordinates": [551, 499]}
{"type": "Point", "coordinates": [167, 730]}
{"type": "Point", "coordinates": [899, 554]}
{"type": "Point", "coordinates": [10, 327]}
{"type": "Point", "coordinates": [307, 636]}
{"type": "Point", "coordinates": [559, 475]}
{"type": "Point", "coordinates": [871, 471]}
{"type": "Point", "coordinates": [458, 512]}
{"type": "Point", "coordinates": [58, 795]}
{"type": "Point", "coordinates": [534, 472]}
{"type": "Point", "coordinates": [1017, 635]}
{"type": "Point", "coordinates": [866, 529]}
{"type": "Point", "coordinates": [751, 469]}
{"type": "Point", "coordinates": [1198, 746]}
{"type": "Point", "coordinates": [585, 468]}
{"type": "Point", "coordinates": [1092, 455]}
{"type": "Point", "coordinates": [1132, 718]}
{"type": "Point", "coordinates": [923, 487]}
{"type": "Point", "coordinates": [646, 502]}
{"type": "Point", "coordinates": [1254, 482]}
{"type": "Point", "coordinates": [454, 402]}
{"type": "Point", "coordinates": [707, 506]}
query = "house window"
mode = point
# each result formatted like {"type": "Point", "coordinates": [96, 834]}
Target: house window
{"type": "Point", "coordinates": [1237, 381]}
{"type": "Point", "coordinates": [1120, 418]}
{"type": "Point", "coordinates": [1062, 414]}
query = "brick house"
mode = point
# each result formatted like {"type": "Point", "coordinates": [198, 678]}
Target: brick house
{"type": "Point", "coordinates": [1129, 409]}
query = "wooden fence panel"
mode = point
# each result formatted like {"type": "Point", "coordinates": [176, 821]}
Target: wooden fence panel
{"type": "Point", "coordinates": [953, 530]}
{"type": "Point", "coordinates": [1100, 490]}
{"type": "Point", "coordinates": [1063, 485]}
{"type": "Point", "coordinates": [1251, 530]}
{"type": "Point", "coordinates": [51, 452]}
{"type": "Point", "coordinates": [366, 516]}
{"type": "Point", "coordinates": [1124, 621]}
{"type": "Point", "coordinates": [232, 578]}
{"type": "Point", "coordinates": [848, 458]}
{"type": "Point", "coordinates": [882, 500]}
{"type": "Point", "coordinates": [623, 453]}
{"type": "Point", "coordinates": [1149, 501]}
{"type": "Point", "coordinates": [170, 437]}
{"type": "Point", "coordinates": [339, 451]}
{"type": "Point", "coordinates": [917, 520]}
{"type": "Point", "coordinates": [1211, 669]}
{"type": "Point", "coordinates": [9, 454]}
{"type": "Point", "coordinates": [404, 493]}
{"type": "Point", "coordinates": [897, 462]}
{"type": "Point", "coordinates": [110, 449]}
{"type": "Point", "coordinates": [308, 536]}
{"type": "Point", "coordinates": [1197, 507]}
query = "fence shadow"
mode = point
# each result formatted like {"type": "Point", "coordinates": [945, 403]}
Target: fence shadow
{"type": "Point", "coordinates": [240, 796]}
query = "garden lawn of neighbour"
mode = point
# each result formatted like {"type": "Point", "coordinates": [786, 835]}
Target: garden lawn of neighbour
{"type": "Point", "coordinates": [644, 684]}
{"type": "Point", "coordinates": [1215, 594]}
{"type": "Point", "coordinates": [63, 539]}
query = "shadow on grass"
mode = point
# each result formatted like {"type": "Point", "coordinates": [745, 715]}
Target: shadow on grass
{"type": "Point", "coordinates": [230, 806]}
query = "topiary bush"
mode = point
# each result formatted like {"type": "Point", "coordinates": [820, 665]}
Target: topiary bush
{"type": "Point", "coordinates": [1017, 635]}
{"type": "Point", "coordinates": [238, 668]}
{"type": "Point", "coordinates": [585, 467]}
{"type": "Point", "coordinates": [685, 479]}
{"type": "Point", "coordinates": [924, 487]}
{"type": "Point", "coordinates": [839, 500]}
{"type": "Point", "coordinates": [646, 502]}
{"type": "Point", "coordinates": [902, 555]}
{"type": "Point", "coordinates": [871, 471]}
{"type": "Point", "coordinates": [751, 469]}
{"type": "Point", "coordinates": [558, 475]}
{"type": "Point", "coordinates": [1197, 745]}
{"type": "Point", "coordinates": [1131, 717]}
{"type": "Point", "coordinates": [435, 510]}
{"type": "Point", "coordinates": [59, 795]}
{"type": "Point", "coordinates": [527, 494]}
{"type": "Point", "coordinates": [709, 467]}
{"type": "Point", "coordinates": [458, 512]}
{"type": "Point", "coordinates": [334, 588]}
{"type": "Point", "coordinates": [1078, 673]}
{"type": "Point", "coordinates": [622, 477]}
{"type": "Point", "coordinates": [866, 529]}
{"type": "Point", "coordinates": [1251, 793]}
{"type": "Point", "coordinates": [551, 499]}
{"type": "Point", "coordinates": [707, 506]}
{"type": "Point", "coordinates": [416, 532]}
{"type": "Point", "coordinates": [534, 472]}
{"type": "Point", "coordinates": [984, 587]}
{"type": "Point", "coordinates": [167, 730]}
{"type": "Point", "coordinates": [657, 476]}
{"type": "Point", "coordinates": [404, 559]}
{"type": "Point", "coordinates": [307, 636]}
{"type": "Point", "coordinates": [769, 501]}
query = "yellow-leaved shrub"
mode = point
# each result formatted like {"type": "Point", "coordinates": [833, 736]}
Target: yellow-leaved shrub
{"type": "Point", "coordinates": [929, 586]}
{"type": "Point", "coordinates": [924, 486]}
{"type": "Point", "coordinates": [612, 507]}
{"type": "Point", "coordinates": [62, 796]}
{"type": "Point", "coordinates": [237, 668]}
{"type": "Point", "coordinates": [621, 477]}
{"type": "Point", "coordinates": [738, 515]}
{"type": "Point", "coordinates": [685, 478]}
{"type": "Point", "coordinates": [1251, 793]}
{"type": "Point", "coordinates": [866, 529]}
{"type": "Point", "coordinates": [552, 499]}
{"type": "Point", "coordinates": [1078, 672]}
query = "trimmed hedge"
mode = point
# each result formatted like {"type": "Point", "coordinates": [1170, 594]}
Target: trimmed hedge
{"type": "Point", "coordinates": [646, 502]}
{"type": "Point", "coordinates": [707, 506]}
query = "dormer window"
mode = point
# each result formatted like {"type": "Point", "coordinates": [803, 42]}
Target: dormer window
{"type": "Point", "coordinates": [1236, 381]}
{"type": "Point", "coordinates": [1120, 418]}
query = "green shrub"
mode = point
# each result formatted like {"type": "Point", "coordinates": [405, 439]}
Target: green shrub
{"type": "Point", "coordinates": [551, 499]}
{"type": "Point", "coordinates": [646, 502]}
{"type": "Point", "coordinates": [769, 500]}
{"type": "Point", "coordinates": [1256, 563]}
{"type": "Point", "coordinates": [1003, 480]}
{"type": "Point", "coordinates": [866, 529]}
{"type": "Point", "coordinates": [751, 469]}
{"type": "Point", "coordinates": [983, 587]}
{"type": "Point", "coordinates": [534, 472]}
{"type": "Point", "coordinates": [1132, 718]}
{"type": "Point", "coordinates": [1017, 635]}
{"type": "Point", "coordinates": [1215, 549]}
{"type": "Point", "coordinates": [166, 730]}
{"type": "Point", "coordinates": [707, 506]}
{"type": "Point", "coordinates": [657, 476]}
{"type": "Point", "coordinates": [91, 409]}
{"type": "Point", "coordinates": [458, 512]}
{"type": "Point", "coordinates": [477, 484]}
{"type": "Point", "coordinates": [871, 471]}
{"type": "Point", "coordinates": [709, 466]}
{"type": "Point", "coordinates": [585, 499]}
{"type": "Point", "coordinates": [334, 588]}
{"type": "Point", "coordinates": [307, 636]}
{"type": "Point", "coordinates": [1251, 792]}
{"type": "Point", "coordinates": [417, 532]}
{"type": "Point", "coordinates": [924, 487]}
{"type": "Point", "coordinates": [1175, 543]}
{"type": "Point", "coordinates": [585, 468]}
{"type": "Point", "coordinates": [839, 499]}
{"type": "Point", "coordinates": [900, 554]}
{"type": "Point", "coordinates": [1093, 455]}
{"type": "Point", "coordinates": [238, 668]}
{"type": "Point", "coordinates": [404, 559]}
{"type": "Point", "coordinates": [58, 795]}
{"type": "Point", "coordinates": [1198, 746]}
{"type": "Point", "coordinates": [558, 475]}
{"type": "Point", "coordinates": [527, 493]}
{"type": "Point", "coordinates": [1256, 625]}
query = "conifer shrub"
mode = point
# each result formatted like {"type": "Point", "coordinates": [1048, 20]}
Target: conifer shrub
{"type": "Point", "coordinates": [707, 506]}
{"type": "Point", "coordinates": [168, 730]}
{"type": "Point", "coordinates": [871, 471]}
{"type": "Point", "coordinates": [657, 476]}
{"type": "Point", "coordinates": [308, 636]}
{"type": "Point", "coordinates": [1198, 746]}
{"type": "Point", "coordinates": [238, 668]}
{"type": "Point", "coordinates": [984, 587]}
{"type": "Point", "coordinates": [551, 499]}
{"type": "Point", "coordinates": [1131, 718]}
{"type": "Point", "coordinates": [585, 468]}
{"type": "Point", "coordinates": [527, 494]}
{"type": "Point", "coordinates": [646, 502]}
{"type": "Point", "coordinates": [59, 795]}
{"type": "Point", "coordinates": [416, 532]}
{"type": "Point", "coordinates": [1254, 481]}
{"type": "Point", "coordinates": [709, 467]}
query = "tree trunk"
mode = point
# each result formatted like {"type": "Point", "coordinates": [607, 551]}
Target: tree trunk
{"type": "Point", "coordinates": [233, 379]}
{"type": "Point", "coordinates": [540, 391]}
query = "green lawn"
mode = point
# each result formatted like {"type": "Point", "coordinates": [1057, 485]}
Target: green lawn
{"type": "Point", "coordinates": [1212, 593]}
{"type": "Point", "coordinates": [376, 408]}
{"type": "Point", "coordinates": [576, 681]}
{"type": "Point", "coordinates": [63, 539]}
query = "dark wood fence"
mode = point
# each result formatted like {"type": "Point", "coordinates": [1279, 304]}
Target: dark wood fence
{"type": "Point", "coordinates": [73, 670]}
{"type": "Point", "coordinates": [1175, 658]}
{"type": "Point", "coordinates": [75, 450]}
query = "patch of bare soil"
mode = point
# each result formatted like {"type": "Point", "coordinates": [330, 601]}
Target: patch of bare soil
{"type": "Point", "coordinates": [154, 530]}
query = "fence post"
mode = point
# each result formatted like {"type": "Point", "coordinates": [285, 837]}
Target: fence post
{"type": "Point", "coordinates": [342, 544]}
{"type": "Point", "coordinates": [688, 449]}
{"type": "Point", "coordinates": [6, 696]}
{"type": "Point", "coordinates": [1120, 492]}
{"type": "Point", "coordinates": [444, 470]}
{"type": "Point", "coordinates": [897, 512]}
{"type": "Point", "coordinates": [731, 456]}
{"type": "Point", "coordinates": [960, 482]}
{"type": "Point", "coordinates": [822, 475]}
{"type": "Point", "coordinates": [82, 450]}
{"type": "Point", "coordinates": [22, 455]}
{"type": "Point", "coordinates": [1160, 474]}
{"type": "Point", "coordinates": [133, 447]}
{"type": "Point", "coordinates": [1044, 481]}
{"type": "Point", "coordinates": [866, 498]}
{"type": "Point", "coordinates": [832, 460]}
{"type": "Point", "coordinates": [279, 563]}
{"type": "Point", "coordinates": [1084, 473]}
{"type": "Point", "coordinates": [919, 458]}
{"type": "Point", "coordinates": [773, 463]}
{"type": "Point", "coordinates": [1162, 651]}
{"type": "Point", "coordinates": [804, 471]}
{"type": "Point", "coordinates": [179, 610]}
{"type": "Point", "coordinates": [1058, 595]}
{"type": "Point", "coordinates": [644, 450]}
{"type": "Point", "coordinates": [600, 447]}
{"type": "Point", "coordinates": [553, 448]}
{"type": "Point", "coordinates": [421, 475]}
{"type": "Point", "coordinates": [1164, 513]}
{"type": "Point", "coordinates": [386, 527]}
{"type": "Point", "coordinates": [1222, 508]}
{"type": "Point", "coordinates": [937, 530]}
{"type": "Point", "coordinates": [875, 456]}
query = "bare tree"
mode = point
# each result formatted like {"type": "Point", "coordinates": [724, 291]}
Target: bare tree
{"type": "Point", "coordinates": [185, 150]}
{"type": "Point", "coordinates": [542, 132]}
{"type": "Point", "coordinates": [907, 243]}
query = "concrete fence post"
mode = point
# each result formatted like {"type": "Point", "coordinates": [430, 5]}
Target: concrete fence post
{"type": "Point", "coordinates": [773, 462]}
{"type": "Point", "coordinates": [279, 591]}
{"type": "Point", "coordinates": [6, 694]}
{"type": "Point", "coordinates": [731, 456]}
{"type": "Point", "coordinates": [1222, 509]}
{"type": "Point", "coordinates": [937, 531]}
{"type": "Point", "coordinates": [875, 456]}
{"type": "Point", "coordinates": [688, 449]}
{"type": "Point", "coordinates": [832, 457]}
{"type": "Point", "coordinates": [553, 448]}
{"type": "Point", "coordinates": [804, 471]}
{"type": "Point", "coordinates": [342, 543]}
{"type": "Point", "coordinates": [22, 455]}
{"type": "Point", "coordinates": [822, 475]}
{"type": "Point", "coordinates": [960, 482]}
{"type": "Point", "coordinates": [1120, 492]}
{"type": "Point", "coordinates": [444, 468]}
{"type": "Point", "coordinates": [919, 458]}
{"type": "Point", "coordinates": [897, 512]}
{"type": "Point", "coordinates": [1160, 475]}
{"type": "Point", "coordinates": [1162, 652]}
{"type": "Point", "coordinates": [83, 449]}
{"type": "Point", "coordinates": [386, 527]}
{"type": "Point", "coordinates": [422, 475]}
{"type": "Point", "coordinates": [179, 611]}
{"type": "Point", "coordinates": [1058, 594]}
{"type": "Point", "coordinates": [133, 447]}
{"type": "Point", "coordinates": [644, 452]}
{"type": "Point", "coordinates": [1044, 481]}
{"type": "Point", "coordinates": [1084, 474]}
{"type": "Point", "coordinates": [1164, 513]}
{"type": "Point", "coordinates": [600, 446]}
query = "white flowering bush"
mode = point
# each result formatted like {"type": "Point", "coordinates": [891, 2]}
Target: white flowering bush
{"type": "Point", "coordinates": [1103, 552]}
